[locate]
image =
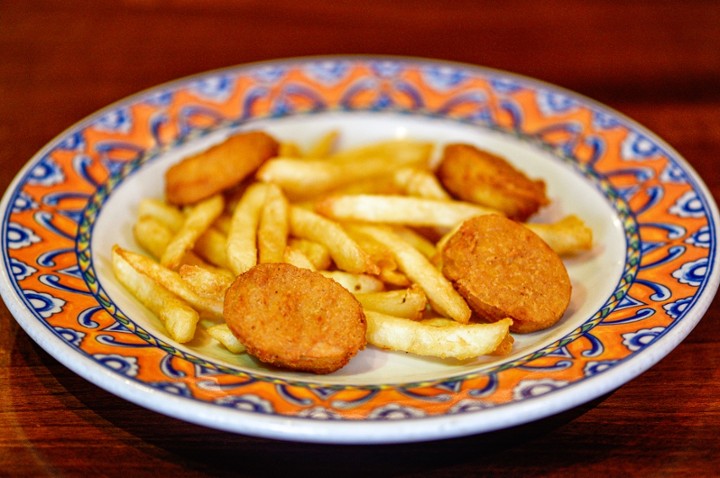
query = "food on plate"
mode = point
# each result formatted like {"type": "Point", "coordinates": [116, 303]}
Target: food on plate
{"type": "Point", "coordinates": [478, 176]}
{"type": "Point", "coordinates": [409, 303]}
{"type": "Point", "coordinates": [305, 177]}
{"type": "Point", "coordinates": [444, 339]}
{"type": "Point", "coordinates": [439, 291]}
{"type": "Point", "coordinates": [568, 236]}
{"type": "Point", "coordinates": [218, 168]}
{"type": "Point", "coordinates": [302, 256]}
{"type": "Point", "coordinates": [198, 220]}
{"type": "Point", "coordinates": [394, 209]}
{"type": "Point", "coordinates": [344, 251]}
{"type": "Point", "coordinates": [504, 270]}
{"type": "Point", "coordinates": [178, 317]}
{"type": "Point", "coordinates": [295, 318]}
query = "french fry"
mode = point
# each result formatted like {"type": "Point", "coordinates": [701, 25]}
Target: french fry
{"type": "Point", "coordinates": [273, 228]}
{"type": "Point", "coordinates": [418, 241]}
{"type": "Point", "coordinates": [298, 258]}
{"type": "Point", "coordinates": [288, 149]}
{"type": "Point", "coordinates": [566, 237]}
{"type": "Point", "coordinates": [172, 281]}
{"type": "Point", "coordinates": [241, 246]}
{"type": "Point", "coordinates": [419, 182]}
{"type": "Point", "coordinates": [199, 218]}
{"type": "Point", "coordinates": [442, 295]}
{"type": "Point", "coordinates": [504, 348]}
{"type": "Point", "coordinates": [223, 334]}
{"type": "Point", "coordinates": [345, 252]}
{"type": "Point", "coordinates": [383, 257]}
{"type": "Point", "coordinates": [400, 152]}
{"type": "Point", "coordinates": [223, 222]}
{"type": "Point", "coordinates": [318, 254]}
{"type": "Point", "coordinates": [402, 210]}
{"type": "Point", "coordinates": [209, 283]}
{"type": "Point", "coordinates": [355, 283]}
{"type": "Point", "coordinates": [169, 215]}
{"type": "Point", "coordinates": [409, 303]}
{"type": "Point", "coordinates": [211, 246]}
{"type": "Point", "coordinates": [324, 146]}
{"type": "Point", "coordinates": [303, 178]}
{"type": "Point", "coordinates": [394, 278]}
{"type": "Point", "coordinates": [458, 341]}
{"type": "Point", "coordinates": [180, 320]}
{"type": "Point", "coordinates": [152, 235]}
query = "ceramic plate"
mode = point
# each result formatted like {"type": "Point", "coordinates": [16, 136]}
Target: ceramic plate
{"type": "Point", "coordinates": [646, 283]}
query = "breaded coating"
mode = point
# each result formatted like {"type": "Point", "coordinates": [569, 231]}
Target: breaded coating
{"type": "Point", "coordinates": [295, 318]}
{"type": "Point", "coordinates": [478, 176]}
{"type": "Point", "coordinates": [505, 270]}
{"type": "Point", "coordinates": [218, 168]}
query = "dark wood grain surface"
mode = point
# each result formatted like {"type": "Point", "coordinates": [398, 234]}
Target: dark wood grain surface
{"type": "Point", "coordinates": [656, 62]}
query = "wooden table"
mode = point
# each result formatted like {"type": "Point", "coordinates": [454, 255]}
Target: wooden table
{"type": "Point", "coordinates": [657, 62]}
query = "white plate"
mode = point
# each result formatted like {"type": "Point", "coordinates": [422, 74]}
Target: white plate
{"type": "Point", "coordinates": [650, 277]}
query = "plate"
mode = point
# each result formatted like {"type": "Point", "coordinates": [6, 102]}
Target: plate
{"type": "Point", "coordinates": [648, 280]}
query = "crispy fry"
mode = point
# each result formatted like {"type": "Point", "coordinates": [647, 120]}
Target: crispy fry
{"type": "Point", "coordinates": [344, 251]}
{"type": "Point", "coordinates": [273, 228]}
{"type": "Point", "coordinates": [418, 241]}
{"type": "Point", "coordinates": [298, 258]}
{"type": "Point", "coordinates": [419, 182]}
{"type": "Point", "coordinates": [316, 253]}
{"type": "Point", "coordinates": [394, 278]}
{"type": "Point", "coordinates": [179, 319]}
{"type": "Point", "coordinates": [324, 146]}
{"type": "Point", "coordinates": [409, 303]}
{"type": "Point", "coordinates": [440, 292]}
{"type": "Point", "coordinates": [211, 246]}
{"type": "Point", "coordinates": [355, 283]}
{"type": "Point", "coordinates": [241, 246]}
{"type": "Point", "coordinates": [459, 341]}
{"type": "Point", "coordinates": [197, 221]}
{"type": "Point", "coordinates": [223, 222]}
{"type": "Point", "coordinates": [566, 237]}
{"type": "Point", "coordinates": [209, 283]}
{"type": "Point", "coordinates": [172, 281]}
{"type": "Point", "coordinates": [152, 235]}
{"type": "Point", "coordinates": [289, 150]}
{"type": "Point", "coordinates": [505, 346]}
{"type": "Point", "coordinates": [303, 178]}
{"type": "Point", "coordinates": [223, 334]}
{"type": "Point", "coordinates": [400, 152]}
{"type": "Point", "coordinates": [401, 210]}
{"type": "Point", "coordinates": [167, 214]}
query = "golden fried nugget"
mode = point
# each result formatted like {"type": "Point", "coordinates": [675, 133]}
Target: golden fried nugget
{"type": "Point", "coordinates": [219, 168]}
{"type": "Point", "coordinates": [478, 176]}
{"type": "Point", "coordinates": [505, 270]}
{"type": "Point", "coordinates": [295, 318]}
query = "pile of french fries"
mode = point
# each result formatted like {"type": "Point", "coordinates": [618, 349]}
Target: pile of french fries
{"type": "Point", "coordinates": [372, 218]}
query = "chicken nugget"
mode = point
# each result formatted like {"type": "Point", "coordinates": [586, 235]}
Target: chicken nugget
{"type": "Point", "coordinates": [295, 318]}
{"type": "Point", "coordinates": [503, 269]}
{"type": "Point", "coordinates": [218, 168]}
{"type": "Point", "coordinates": [478, 176]}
